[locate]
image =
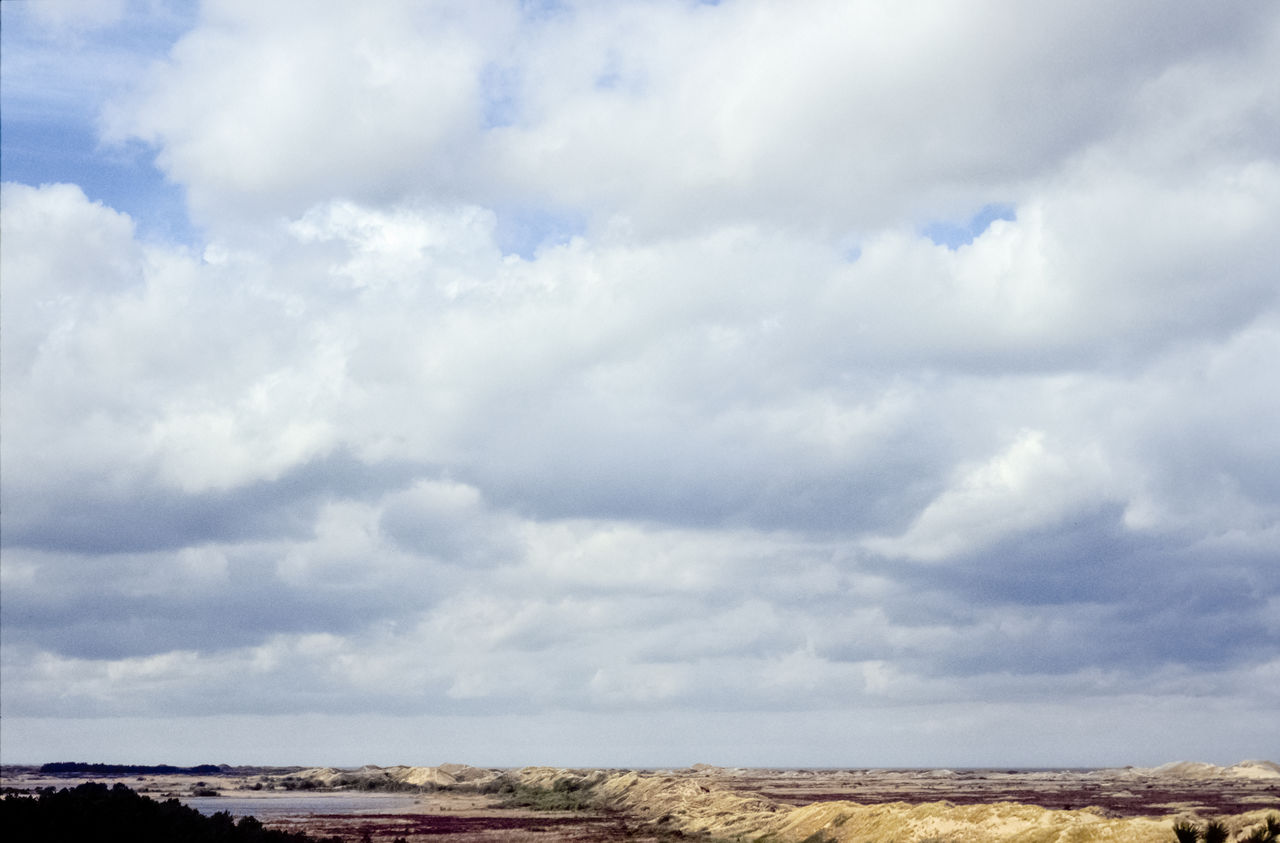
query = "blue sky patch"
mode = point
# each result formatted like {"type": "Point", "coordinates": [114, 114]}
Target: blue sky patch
{"type": "Point", "coordinates": [122, 177]}
{"type": "Point", "coordinates": [55, 84]}
{"type": "Point", "coordinates": [543, 9]}
{"type": "Point", "coordinates": [523, 230]}
{"type": "Point", "coordinates": [954, 235]}
{"type": "Point", "coordinates": [499, 86]}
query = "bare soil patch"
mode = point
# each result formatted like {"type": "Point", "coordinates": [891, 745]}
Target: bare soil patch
{"type": "Point", "coordinates": [586, 828]}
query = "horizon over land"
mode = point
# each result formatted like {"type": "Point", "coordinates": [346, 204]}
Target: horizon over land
{"type": "Point", "coordinates": [597, 740]}
{"type": "Point", "coordinates": [78, 769]}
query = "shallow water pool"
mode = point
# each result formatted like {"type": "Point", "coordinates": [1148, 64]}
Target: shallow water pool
{"type": "Point", "coordinates": [297, 804]}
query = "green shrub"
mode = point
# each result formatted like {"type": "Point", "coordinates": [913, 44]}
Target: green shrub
{"type": "Point", "coordinates": [564, 795]}
{"type": "Point", "coordinates": [499, 785]}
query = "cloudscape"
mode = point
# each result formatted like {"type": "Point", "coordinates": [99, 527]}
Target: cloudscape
{"type": "Point", "coordinates": [641, 383]}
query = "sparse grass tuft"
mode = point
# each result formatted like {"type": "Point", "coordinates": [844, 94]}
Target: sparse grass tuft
{"type": "Point", "coordinates": [1185, 832]}
{"type": "Point", "coordinates": [1268, 832]}
{"type": "Point", "coordinates": [817, 837]}
{"type": "Point", "coordinates": [1214, 831]}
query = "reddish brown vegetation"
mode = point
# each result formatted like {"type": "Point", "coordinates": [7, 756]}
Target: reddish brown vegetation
{"type": "Point", "coordinates": [1148, 800]}
{"type": "Point", "coordinates": [421, 828]}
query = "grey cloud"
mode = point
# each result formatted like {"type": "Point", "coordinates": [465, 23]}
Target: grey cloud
{"type": "Point", "coordinates": [761, 465]}
{"type": "Point", "coordinates": [450, 522]}
{"type": "Point", "coordinates": [1086, 560]}
{"type": "Point", "coordinates": [122, 606]}
{"type": "Point", "coordinates": [681, 484]}
{"type": "Point", "coordinates": [1087, 596]}
{"type": "Point", "coordinates": [87, 520]}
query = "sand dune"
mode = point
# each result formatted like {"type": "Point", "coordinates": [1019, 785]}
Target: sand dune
{"type": "Point", "coordinates": [703, 800]}
{"type": "Point", "coordinates": [789, 806]}
{"type": "Point", "coordinates": [1199, 771]}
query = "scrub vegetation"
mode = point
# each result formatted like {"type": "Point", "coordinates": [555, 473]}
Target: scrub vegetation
{"type": "Point", "coordinates": [564, 794]}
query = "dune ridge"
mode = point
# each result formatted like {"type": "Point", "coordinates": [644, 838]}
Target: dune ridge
{"type": "Point", "coordinates": [1196, 770]}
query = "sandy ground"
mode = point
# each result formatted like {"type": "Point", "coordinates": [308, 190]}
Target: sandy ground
{"type": "Point", "coordinates": [702, 802]}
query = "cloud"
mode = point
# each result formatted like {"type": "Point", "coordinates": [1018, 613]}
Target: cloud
{"type": "Point", "coordinates": [1024, 487]}
{"type": "Point", "coordinates": [401, 78]}
{"type": "Point", "coordinates": [668, 115]}
{"type": "Point", "coordinates": [611, 359]}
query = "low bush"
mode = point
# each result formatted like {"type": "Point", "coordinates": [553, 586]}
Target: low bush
{"type": "Point", "coordinates": [381, 784]}
{"type": "Point", "coordinates": [565, 795]}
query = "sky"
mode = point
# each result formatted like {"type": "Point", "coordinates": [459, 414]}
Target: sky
{"type": "Point", "coordinates": [640, 383]}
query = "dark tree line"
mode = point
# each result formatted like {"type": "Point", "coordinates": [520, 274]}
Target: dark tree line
{"type": "Point", "coordinates": [94, 812]}
{"type": "Point", "coordinates": [82, 767]}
